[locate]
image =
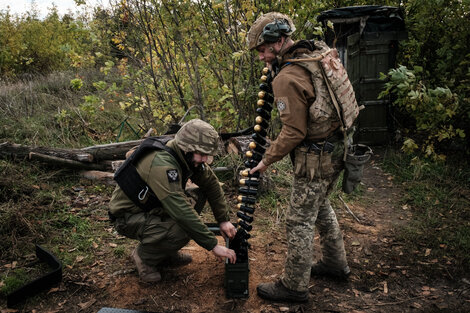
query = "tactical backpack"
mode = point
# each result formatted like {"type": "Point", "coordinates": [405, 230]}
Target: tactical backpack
{"type": "Point", "coordinates": [130, 181]}
{"type": "Point", "coordinates": [337, 82]}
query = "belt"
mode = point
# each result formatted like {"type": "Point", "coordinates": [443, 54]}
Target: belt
{"type": "Point", "coordinates": [318, 147]}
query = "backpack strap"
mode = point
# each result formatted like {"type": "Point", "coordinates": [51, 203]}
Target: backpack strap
{"type": "Point", "coordinates": [338, 110]}
{"type": "Point", "coordinates": [130, 181]}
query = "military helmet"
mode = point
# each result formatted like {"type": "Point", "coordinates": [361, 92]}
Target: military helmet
{"type": "Point", "coordinates": [197, 136]}
{"type": "Point", "coordinates": [269, 28]}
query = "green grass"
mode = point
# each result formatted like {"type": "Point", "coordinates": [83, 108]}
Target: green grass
{"type": "Point", "coordinates": [38, 208]}
{"type": "Point", "coordinates": [46, 111]}
{"type": "Point", "coordinates": [13, 280]}
{"type": "Point", "coordinates": [438, 194]}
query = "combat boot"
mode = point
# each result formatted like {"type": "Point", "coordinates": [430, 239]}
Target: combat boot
{"type": "Point", "coordinates": [147, 273]}
{"type": "Point", "coordinates": [320, 269]}
{"type": "Point", "coordinates": [276, 291]}
{"type": "Point", "coordinates": [176, 260]}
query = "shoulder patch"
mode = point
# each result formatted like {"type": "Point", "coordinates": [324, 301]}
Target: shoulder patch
{"type": "Point", "coordinates": [281, 106]}
{"type": "Point", "coordinates": [172, 175]}
{"type": "Point", "coordinates": [281, 103]}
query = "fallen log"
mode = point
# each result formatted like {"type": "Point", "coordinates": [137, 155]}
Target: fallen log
{"type": "Point", "coordinates": [12, 150]}
{"type": "Point", "coordinates": [115, 151]}
{"type": "Point", "coordinates": [56, 161]}
{"type": "Point", "coordinates": [112, 151]}
{"type": "Point", "coordinates": [105, 157]}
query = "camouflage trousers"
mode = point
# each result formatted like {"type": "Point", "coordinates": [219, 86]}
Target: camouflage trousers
{"type": "Point", "coordinates": [310, 207]}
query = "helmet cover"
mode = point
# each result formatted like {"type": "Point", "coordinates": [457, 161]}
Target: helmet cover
{"type": "Point", "coordinates": [197, 136]}
{"type": "Point", "coordinates": [268, 28]}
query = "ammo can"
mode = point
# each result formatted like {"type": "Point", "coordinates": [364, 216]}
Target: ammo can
{"type": "Point", "coordinates": [237, 278]}
{"type": "Point", "coordinates": [367, 38]}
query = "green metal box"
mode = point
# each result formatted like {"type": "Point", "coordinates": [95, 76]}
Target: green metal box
{"type": "Point", "coordinates": [367, 38]}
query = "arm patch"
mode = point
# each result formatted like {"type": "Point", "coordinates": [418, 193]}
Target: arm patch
{"type": "Point", "coordinates": [173, 176]}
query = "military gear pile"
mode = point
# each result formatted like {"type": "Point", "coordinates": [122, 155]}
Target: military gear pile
{"type": "Point", "coordinates": [268, 27]}
{"type": "Point", "coordinates": [198, 136]}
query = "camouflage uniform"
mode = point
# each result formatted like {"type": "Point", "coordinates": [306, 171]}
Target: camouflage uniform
{"type": "Point", "coordinates": [315, 174]}
{"type": "Point", "coordinates": [164, 230]}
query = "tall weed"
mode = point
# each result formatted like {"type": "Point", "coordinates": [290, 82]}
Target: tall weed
{"type": "Point", "coordinates": [48, 111]}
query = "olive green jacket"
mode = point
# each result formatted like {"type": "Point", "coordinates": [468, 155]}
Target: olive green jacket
{"type": "Point", "coordinates": [162, 172]}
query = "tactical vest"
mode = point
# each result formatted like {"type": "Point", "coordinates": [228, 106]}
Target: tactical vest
{"type": "Point", "coordinates": [130, 181]}
{"type": "Point", "coordinates": [334, 95]}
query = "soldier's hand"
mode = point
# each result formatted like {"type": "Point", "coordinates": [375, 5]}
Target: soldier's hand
{"type": "Point", "coordinates": [227, 229]}
{"type": "Point", "coordinates": [222, 252]}
{"type": "Point", "coordinates": [259, 168]}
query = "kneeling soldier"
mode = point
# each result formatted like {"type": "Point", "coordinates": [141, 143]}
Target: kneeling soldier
{"type": "Point", "coordinates": [159, 215]}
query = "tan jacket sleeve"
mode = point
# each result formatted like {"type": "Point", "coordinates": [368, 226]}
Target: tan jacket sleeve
{"type": "Point", "coordinates": [293, 93]}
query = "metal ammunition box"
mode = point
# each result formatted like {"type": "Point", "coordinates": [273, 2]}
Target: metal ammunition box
{"type": "Point", "coordinates": [236, 280]}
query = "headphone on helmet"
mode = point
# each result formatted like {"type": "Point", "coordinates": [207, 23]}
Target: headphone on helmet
{"type": "Point", "coordinates": [272, 32]}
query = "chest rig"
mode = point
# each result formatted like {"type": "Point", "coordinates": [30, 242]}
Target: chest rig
{"type": "Point", "coordinates": [133, 185]}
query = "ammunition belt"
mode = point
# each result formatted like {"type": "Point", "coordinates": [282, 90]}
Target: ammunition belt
{"type": "Point", "coordinates": [248, 190]}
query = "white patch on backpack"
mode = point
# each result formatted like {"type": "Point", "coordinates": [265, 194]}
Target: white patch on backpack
{"type": "Point", "coordinates": [172, 176]}
{"type": "Point", "coordinates": [281, 106]}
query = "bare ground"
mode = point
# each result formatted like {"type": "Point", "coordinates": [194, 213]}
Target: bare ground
{"type": "Point", "coordinates": [386, 276]}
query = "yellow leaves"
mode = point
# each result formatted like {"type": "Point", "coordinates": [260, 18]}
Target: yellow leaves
{"type": "Point", "coordinates": [116, 40]}
{"type": "Point", "coordinates": [237, 55]}
{"type": "Point", "coordinates": [409, 146]}
{"type": "Point", "coordinates": [168, 119]}
{"type": "Point", "coordinates": [429, 150]}
{"type": "Point", "coordinates": [219, 5]}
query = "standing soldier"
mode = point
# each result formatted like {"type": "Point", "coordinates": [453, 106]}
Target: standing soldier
{"type": "Point", "coordinates": [159, 215]}
{"type": "Point", "coordinates": [311, 135]}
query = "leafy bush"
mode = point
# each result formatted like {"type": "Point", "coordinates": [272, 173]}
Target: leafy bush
{"type": "Point", "coordinates": [437, 87]}
{"type": "Point", "coordinates": [32, 45]}
{"type": "Point", "coordinates": [432, 110]}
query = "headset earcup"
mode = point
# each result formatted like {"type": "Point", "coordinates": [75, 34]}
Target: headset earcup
{"type": "Point", "coordinates": [272, 31]}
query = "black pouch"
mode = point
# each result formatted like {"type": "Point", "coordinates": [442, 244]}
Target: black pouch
{"type": "Point", "coordinates": [357, 156]}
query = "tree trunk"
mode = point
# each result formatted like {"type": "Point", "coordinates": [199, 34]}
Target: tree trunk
{"type": "Point", "coordinates": [12, 150]}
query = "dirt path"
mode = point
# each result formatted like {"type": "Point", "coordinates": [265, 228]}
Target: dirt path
{"type": "Point", "coordinates": [385, 277]}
